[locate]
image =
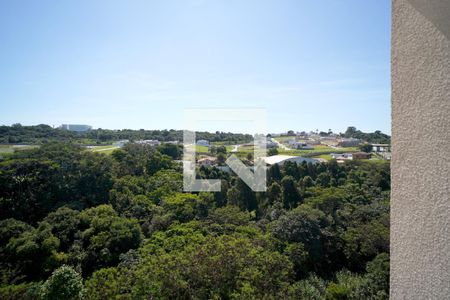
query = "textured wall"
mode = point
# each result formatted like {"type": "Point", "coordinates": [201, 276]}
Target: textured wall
{"type": "Point", "coordinates": [420, 215]}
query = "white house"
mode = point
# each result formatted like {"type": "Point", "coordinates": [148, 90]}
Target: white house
{"type": "Point", "coordinates": [303, 146]}
{"type": "Point", "coordinates": [381, 148]}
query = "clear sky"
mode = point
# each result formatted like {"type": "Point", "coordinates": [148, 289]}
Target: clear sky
{"type": "Point", "coordinates": [313, 64]}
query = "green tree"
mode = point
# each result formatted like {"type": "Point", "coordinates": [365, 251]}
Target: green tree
{"type": "Point", "coordinates": [323, 179]}
{"type": "Point", "coordinates": [65, 283]}
{"type": "Point", "coordinates": [364, 242]}
{"type": "Point", "coordinates": [225, 266]}
{"type": "Point", "coordinates": [365, 148]}
{"type": "Point", "coordinates": [274, 193]}
{"type": "Point", "coordinates": [303, 225]}
{"type": "Point", "coordinates": [274, 172]}
{"type": "Point", "coordinates": [307, 182]}
{"type": "Point", "coordinates": [109, 283]}
{"type": "Point", "coordinates": [35, 252]}
{"type": "Point", "coordinates": [230, 215]}
{"type": "Point", "coordinates": [157, 162]}
{"type": "Point", "coordinates": [221, 158]}
{"type": "Point", "coordinates": [221, 149]}
{"type": "Point", "coordinates": [290, 194]}
{"type": "Point", "coordinates": [106, 236]}
{"type": "Point", "coordinates": [172, 150]}
{"type": "Point", "coordinates": [242, 196]}
{"type": "Point", "coordinates": [65, 223]}
{"type": "Point", "coordinates": [272, 151]}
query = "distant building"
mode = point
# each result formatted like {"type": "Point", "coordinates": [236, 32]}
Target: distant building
{"type": "Point", "coordinates": [75, 127]}
{"type": "Point", "coordinates": [203, 143]}
{"type": "Point", "coordinates": [351, 142]}
{"type": "Point", "coordinates": [226, 169]}
{"type": "Point", "coordinates": [282, 159]}
{"type": "Point", "coordinates": [153, 143]}
{"type": "Point", "coordinates": [302, 146]}
{"type": "Point", "coordinates": [328, 138]}
{"type": "Point", "coordinates": [302, 135]}
{"type": "Point", "coordinates": [121, 143]}
{"type": "Point", "coordinates": [341, 156]}
{"type": "Point", "coordinates": [271, 144]}
{"type": "Point", "coordinates": [361, 155]}
{"type": "Point", "coordinates": [207, 161]}
{"type": "Point", "coordinates": [314, 142]}
{"type": "Point", "coordinates": [291, 142]}
{"type": "Point", "coordinates": [381, 148]}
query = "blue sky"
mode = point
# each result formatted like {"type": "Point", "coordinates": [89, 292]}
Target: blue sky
{"type": "Point", "coordinates": [138, 64]}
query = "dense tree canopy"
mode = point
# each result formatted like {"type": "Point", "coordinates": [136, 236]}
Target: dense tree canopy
{"type": "Point", "coordinates": [120, 226]}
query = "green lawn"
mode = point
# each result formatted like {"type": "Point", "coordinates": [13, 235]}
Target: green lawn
{"type": "Point", "coordinates": [105, 149]}
{"type": "Point", "coordinates": [323, 156]}
{"type": "Point", "coordinates": [6, 149]}
{"type": "Point", "coordinates": [319, 149]}
{"type": "Point", "coordinates": [201, 149]}
{"type": "Point", "coordinates": [227, 145]}
{"type": "Point", "coordinates": [12, 148]}
{"type": "Point", "coordinates": [246, 149]}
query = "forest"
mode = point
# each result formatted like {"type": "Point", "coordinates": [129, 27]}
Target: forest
{"type": "Point", "coordinates": [39, 134]}
{"type": "Point", "coordinates": [77, 224]}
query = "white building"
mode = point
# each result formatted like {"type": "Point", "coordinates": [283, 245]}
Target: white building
{"type": "Point", "coordinates": [282, 159]}
{"type": "Point", "coordinates": [271, 144]}
{"type": "Point", "coordinates": [75, 127]}
{"type": "Point", "coordinates": [351, 142]}
{"type": "Point", "coordinates": [121, 143]}
{"type": "Point", "coordinates": [203, 143]}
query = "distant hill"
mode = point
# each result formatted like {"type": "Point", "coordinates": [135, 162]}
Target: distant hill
{"type": "Point", "coordinates": [376, 137]}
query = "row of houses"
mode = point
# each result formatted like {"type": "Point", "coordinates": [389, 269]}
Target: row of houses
{"type": "Point", "coordinates": [350, 156]}
{"type": "Point", "coordinates": [209, 161]}
{"type": "Point", "coordinates": [300, 145]}
{"type": "Point", "coordinates": [153, 143]}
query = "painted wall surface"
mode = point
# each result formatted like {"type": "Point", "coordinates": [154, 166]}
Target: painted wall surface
{"type": "Point", "coordinates": [420, 215]}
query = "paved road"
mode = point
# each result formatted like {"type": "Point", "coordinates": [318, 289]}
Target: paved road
{"type": "Point", "coordinates": [280, 145]}
{"type": "Point", "coordinates": [235, 149]}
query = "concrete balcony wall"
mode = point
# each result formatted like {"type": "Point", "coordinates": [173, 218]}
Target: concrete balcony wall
{"type": "Point", "coordinates": [420, 216]}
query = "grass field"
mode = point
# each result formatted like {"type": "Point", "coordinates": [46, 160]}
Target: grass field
{"type": "Point", "coordinates": [284, 138]}
{"type": "Point", "coordinates": [12, 148]}
{"type": "Point", "coordinates": [323, 156]}
{"type": "Point", "coordinates": [201, 149]}
{"type": "Point", "coordinates": [105, 149]}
